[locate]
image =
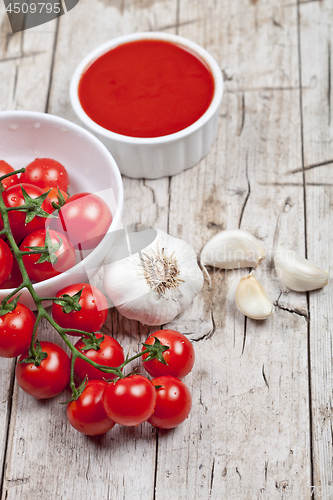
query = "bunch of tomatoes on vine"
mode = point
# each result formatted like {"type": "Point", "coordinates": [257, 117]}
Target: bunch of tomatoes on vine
{"type": "Point", "coordinates": [41, 229]}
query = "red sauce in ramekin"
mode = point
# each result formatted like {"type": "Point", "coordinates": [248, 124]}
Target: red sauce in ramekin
{"type": "Point", "coordinates": [146, 88]}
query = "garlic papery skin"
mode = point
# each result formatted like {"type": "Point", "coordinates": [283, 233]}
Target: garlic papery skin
{"type": "Point", "coordinates": [231, 249]}
{"type": "Point", "coordinates": [298, 273]}
{"type": "Point", "coordinates": [155, 285]}
{"type": "Point", "coordinates": [252, 299]}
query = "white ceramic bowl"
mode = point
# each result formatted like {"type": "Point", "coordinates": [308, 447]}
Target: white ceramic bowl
{"type": "Point", "coordinates": [159, 156]}
{"type": "Point", "coordinates": [26, 135]}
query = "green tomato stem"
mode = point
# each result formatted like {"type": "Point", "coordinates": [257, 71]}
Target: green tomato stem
{"type": "Point", "coordinates": [14, 292]}
{"type": "Point", "coordinates": [20, 208]}
{"type": "Point", "coordinates": [34, 334]}
{"type": "Point", "coordinates": [34, 252]}
{"type": "Point", "coordinates": [72, 383]}
{"type": "Point", "coordinates": [21, 171]}
{"type": "Point", "coordinates": [129, 360]}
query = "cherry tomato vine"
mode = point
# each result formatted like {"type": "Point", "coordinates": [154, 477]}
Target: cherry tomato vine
{"type": "Point", "coordinates": [33, 208]}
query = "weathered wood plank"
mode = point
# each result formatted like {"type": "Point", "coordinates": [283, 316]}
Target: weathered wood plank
{"type": "Point", "coordinates": [122, 463]}
{"type": "Point", "coordinates": [24, 82]}
{"type": "Point", "coordinates": [11, 54]}
{"type": "Point", "coordinates": [25, 65]}
{"type": "Point", "coordinates": [319, 200]}
{"type": "Point", "coordinates": [317, 75]}
{"type": "Point", "coordinates": [248, 436]}
{"type": "Point", "coordinates": [317, 81]}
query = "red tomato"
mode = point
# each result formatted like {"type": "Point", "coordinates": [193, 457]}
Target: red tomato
{"type": "Point", "coordinates": [130, 400]}
{"type": "Point", "coordinates": [110, 354]}
{"type": "Point", "coordinates": [13, 197]}
{"type": "Point", "coordinates": [173, 402]}
{"type": "Point", "coordinates": [180, 355]}
{"type": "Point", "coordinates": [87, 413]}
{"type": "Point", "coordinates": [85, 219]}
{"type": "Point", "coordinates": [16, 329]}
{"type": "Point", "coordinates": [15, 278]}
{"type": "Point", "coordinates": [43, 172]}
{"type": "Point", "coordinates": [48, 379]}
{"type": "Point", "coordinates": [6, 261]}
{"type": "Point", "coordinates": [5, 168]}
{"type": "Point", "coordinates": [53, 194]}
{"type": "Point", "coordinates": [93, 312]}
{"type": "Point", "coordinates": [65, 255]}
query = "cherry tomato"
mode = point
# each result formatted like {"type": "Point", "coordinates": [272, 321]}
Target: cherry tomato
{"type": "Point", "coordinates": [14, 279]}
{"type": "Point", "coordinates": [6, 261]}
{"type": "Point", "coordinates": [53, 194]}
{"type": "Point", "coordinates": [48, 379]}
{"type": "Point", "coordinates": [130, 400]}
{"type": "Point", "coordinates": [5, 168]}
{"type": "Point", "coordinates": [173, 402]}
{"type": "Point", "coordinates": [87, 413]}
{"type": "Point", "coordinates": [13, 197]}
{"type": "Point", "coordinates": [85, 219]}
{"type": "Point", "coordinates": [43, 271]}
{"type": "Point", "coordinates": [43, 172]}
{"type": "Point", "coordinates": [110, 354]}
{"type": "Point", "coordinates": [16, 329]}
{"type": "Point", "coordinates": [93, 312]}
{"type": "Point", "coordinates": [180, 355]}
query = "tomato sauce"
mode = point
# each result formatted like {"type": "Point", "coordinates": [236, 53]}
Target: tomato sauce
{"type": "Point", "coordinates": [146, 88]}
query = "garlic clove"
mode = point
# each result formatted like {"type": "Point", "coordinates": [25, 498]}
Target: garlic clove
{"type": "Point", "coordinates": [231, 249]}
{"type": "Point", "coordinates": [252, 299]}
{"type": "Point", "coordinates": [298, 273]}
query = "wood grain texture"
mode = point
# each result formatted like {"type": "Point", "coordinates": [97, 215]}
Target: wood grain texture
{"type": "Point", "coordinates": [319, 202]}
{"type": "Point", "coordinates": [25, 67]}
{"type": "Point", "coordinates": [67, 464]}
{"type": "Point", "coordinates": [249, 437]}
{"type": "Point", "coordinates": [316, 36]}
{"type": "Point", "coordinates": [317, 81]}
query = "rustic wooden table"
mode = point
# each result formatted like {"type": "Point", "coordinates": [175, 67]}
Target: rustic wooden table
{"type": "Point", "coordinates": [262, 420]}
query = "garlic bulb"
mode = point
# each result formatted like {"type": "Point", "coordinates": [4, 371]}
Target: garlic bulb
{"type": "Point", "coordinates": [252, 299]}
{"type": "Point", "coordinates": [231, 249]}
{"type": "Point", "coordinates": [297, 273]}
{"type": "Point", "coordinates": [156, 284]}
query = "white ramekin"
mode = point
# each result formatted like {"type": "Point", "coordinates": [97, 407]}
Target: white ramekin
{"type": "Point", "coordinates": [26, 135]}
{"type": "Point", "coordinates": [158, 156]}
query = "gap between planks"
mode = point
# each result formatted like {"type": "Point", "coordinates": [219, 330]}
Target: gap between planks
{"type": "Point", "coordinates": [305, 237]}
{"type": "Point", "coordinates": [12, 375]}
